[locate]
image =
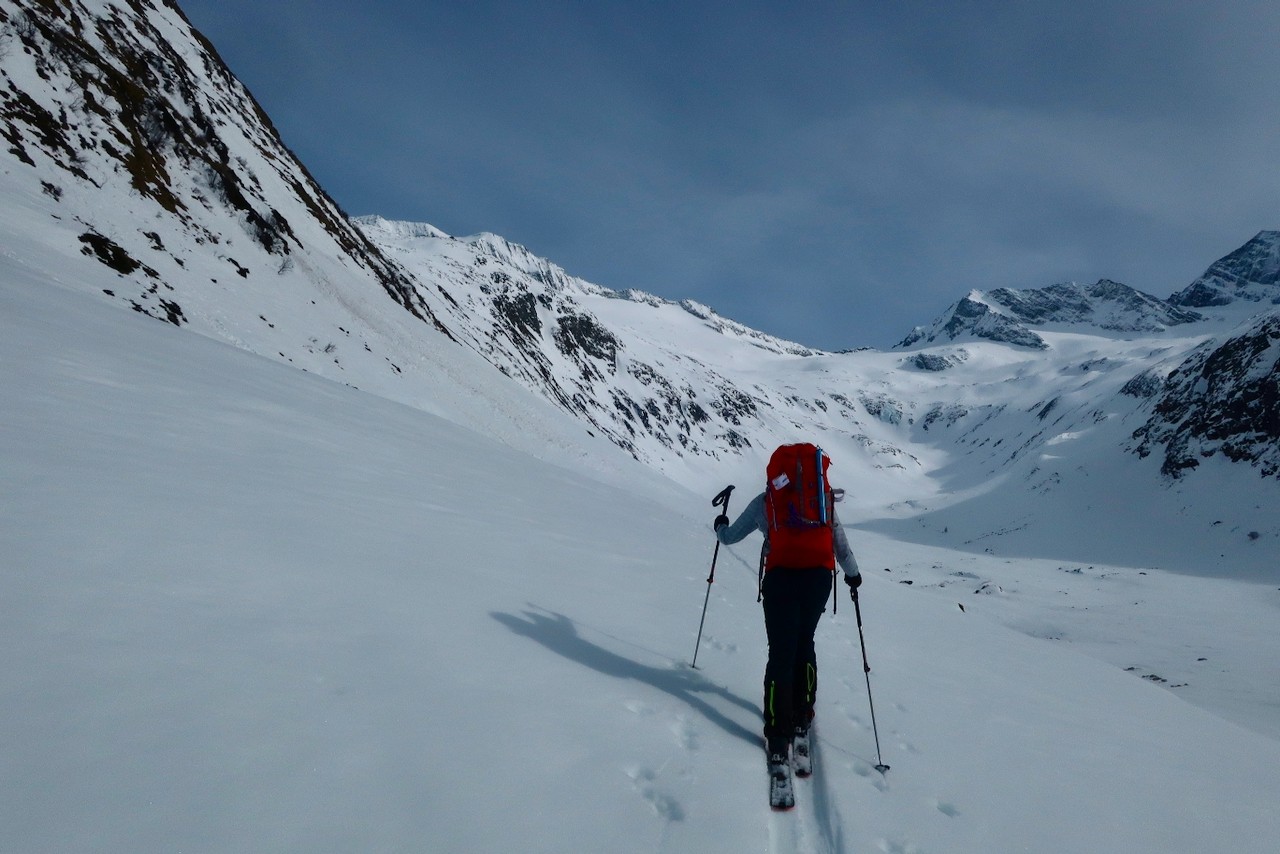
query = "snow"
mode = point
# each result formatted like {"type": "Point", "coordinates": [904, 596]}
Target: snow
{"type": "Point", "coordinates": [248, 608]}
{"type": "Point", "coordinates": [320, 578]}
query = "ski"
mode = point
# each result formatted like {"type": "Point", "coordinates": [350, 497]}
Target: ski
{"type": "Point", "coordinates": [782, 794]}
{"type": "Point", "coordinates": [801, 755]}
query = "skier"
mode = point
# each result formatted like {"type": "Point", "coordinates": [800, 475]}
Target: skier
{"type": "Point", "coordinates": [796, 582]}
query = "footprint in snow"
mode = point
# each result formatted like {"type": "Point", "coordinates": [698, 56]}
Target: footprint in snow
{"type": "Point", "coordinates": [723, 646]}
{"type": "Point", "coordinates": [686, 734]}
{"type": "Point", "coordinates": [637, 707]}
{"type": "Point", "coordinates": [855, 719]}
{"type": "Point", "coordinates": [664, 806]}
{"type": "Point", "coordinates": [947, 809]}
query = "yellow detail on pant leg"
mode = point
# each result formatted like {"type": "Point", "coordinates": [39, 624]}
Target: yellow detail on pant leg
{"type": "Point", "coordinates": [773, 715]}
{"type": "Point", "coordinates": [811, 680]}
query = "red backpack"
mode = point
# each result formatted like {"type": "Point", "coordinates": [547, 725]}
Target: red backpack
{"type": "Point", "coordinates": [798, 508]}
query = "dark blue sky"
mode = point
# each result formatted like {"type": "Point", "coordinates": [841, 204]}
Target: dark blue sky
{"type": "Point", "coordinates": [830, 172]}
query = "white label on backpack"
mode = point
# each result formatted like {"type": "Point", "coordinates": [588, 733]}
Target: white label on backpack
{"type": "Point", "coordinates": [781, 481]}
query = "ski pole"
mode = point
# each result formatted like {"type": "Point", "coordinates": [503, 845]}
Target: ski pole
{"type": "Point", "coordinates": [866, 670]}
{"type": "Point", "coordinates": [722, 501]}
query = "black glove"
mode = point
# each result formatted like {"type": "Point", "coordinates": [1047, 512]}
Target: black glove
{"type": "Point", "coordinates": [854, 582]}
{"type": "Point", "coordinates": [720, 522]}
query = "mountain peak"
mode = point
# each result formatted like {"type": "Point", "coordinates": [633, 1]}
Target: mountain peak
{"type": "Point", "coordinates": [1249, 274]}
{"type": "Point", "coordinates": [397, 229]}
{"type": "Point", "coordinates": [975, 316]}
{"type": "Point", "coordinates": [1006, 315]}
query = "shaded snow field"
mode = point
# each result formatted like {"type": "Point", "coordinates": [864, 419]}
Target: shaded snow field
{"type": "Point", "coordinates": [248, 609]}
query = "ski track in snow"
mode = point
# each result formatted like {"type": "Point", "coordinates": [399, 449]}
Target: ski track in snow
{"type": "Point", "coordinates": [821, 815]}
{"type": "Point", "coordinates": [815, 825]}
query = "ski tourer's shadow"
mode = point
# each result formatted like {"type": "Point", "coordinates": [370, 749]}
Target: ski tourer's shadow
{"type": "Point", "coordinates": [559, 634]}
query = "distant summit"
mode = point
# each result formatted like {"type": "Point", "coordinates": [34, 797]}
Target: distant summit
{"type": "Point", "coordinates": [1249, 274]}
{"type": "Point", "coordinates": [1005, 315]}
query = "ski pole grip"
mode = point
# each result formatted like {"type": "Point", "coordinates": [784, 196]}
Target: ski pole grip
{"type": "Point", "coordinates": [722, 498]}
{"type": "Point", "coordinates": [722, 501]}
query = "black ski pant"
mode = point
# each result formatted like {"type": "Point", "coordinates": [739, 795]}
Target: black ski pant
{"type": "Point", "coordinates": [794, 600]}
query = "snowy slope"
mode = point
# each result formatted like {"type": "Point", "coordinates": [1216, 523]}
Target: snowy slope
{"type": "Point", "coordinates": [174, 196]}
{"type": "Point", "coordinates": [251, 609]}
{"type": "Point", "coordinates": [434, 590]}
{"type": "Point", "coordinates": [674, 387]}
{"type": "Point", "coordinates": [660, 379]}
{"type": "Point", "coordinates": [131, 145]}
{"type": "Point", "coordinates": [1002, 445]}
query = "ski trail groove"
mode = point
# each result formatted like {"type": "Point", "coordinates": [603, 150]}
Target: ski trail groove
{"type": "Point", "coordinates": [813, 826]}
{"type": "Point", "coordinates": [820, 805]}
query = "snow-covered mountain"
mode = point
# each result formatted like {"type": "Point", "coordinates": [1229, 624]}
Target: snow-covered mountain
{"type": "Point", "coordinates": [1215, 387]}
{"type": "Point", "coordinates": [251, 608]}
{"type": "Point", "coordinates": [135, 154]}
{"type": "Point", "coordinates": [676, 385]}
{"type": "Point", "coordinates": [1006, 315]}
{"type": "Point", "coordinates": [1224, 398]}
{"type": "Point", "coordinates": [154, 161]}
{"type": "Point", "coordinates": [1251, 274]}
{"type": "Point", "coordinates": [139, 170]}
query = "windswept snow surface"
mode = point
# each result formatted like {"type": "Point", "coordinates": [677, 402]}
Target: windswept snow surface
{"type": "Point", "coordinates": [245, 608]}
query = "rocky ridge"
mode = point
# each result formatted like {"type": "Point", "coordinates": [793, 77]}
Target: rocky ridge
{"type": "Point", "coordinates": [129, 138]}
{"type": "Point", "coordinates": [1223, 399]}
{"type": "Point", "coordinates": [1007, 315]}
{"type": "Point", "coordinates": [1251, 274]}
